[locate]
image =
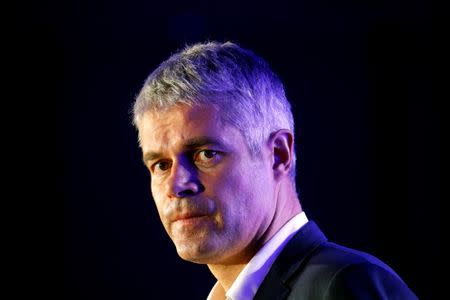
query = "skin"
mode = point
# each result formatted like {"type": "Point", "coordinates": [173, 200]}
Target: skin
{"type": "Point", "coordinates": [218, 204]}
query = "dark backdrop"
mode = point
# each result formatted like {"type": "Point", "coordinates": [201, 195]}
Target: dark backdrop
{"type": "Point", "coordinates": [368, 129]}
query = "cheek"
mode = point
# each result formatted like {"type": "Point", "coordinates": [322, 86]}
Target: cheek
{"type": "Point", "coordinates": [156, 187]}
{"type": "Point", "coordinates": [253, 193]}
{"type": "Point", "coordinates": [237, 197]}
{"type": "Point", "coordinates": [158, 197]}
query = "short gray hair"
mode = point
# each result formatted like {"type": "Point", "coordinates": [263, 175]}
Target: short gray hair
{"type": "Point", "coordinates": [248, 94]}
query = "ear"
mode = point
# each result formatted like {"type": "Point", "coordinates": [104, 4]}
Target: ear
{"type": "Point", "coordinates": [282, 144]}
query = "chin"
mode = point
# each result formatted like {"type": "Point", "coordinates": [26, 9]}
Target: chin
{"type": "Point", "coordinates": [196, 254]}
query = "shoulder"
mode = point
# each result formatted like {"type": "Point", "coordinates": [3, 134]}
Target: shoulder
{"type": "Point", "coordinates": [336, 272]}
{"type": "Point", "coordinates": [367, 280]}
{"type": "Point", "coordinates": [338, 256]}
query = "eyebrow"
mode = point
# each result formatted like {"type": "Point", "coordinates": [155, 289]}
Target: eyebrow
{"type": "Point", "coordinates": [192, 143]}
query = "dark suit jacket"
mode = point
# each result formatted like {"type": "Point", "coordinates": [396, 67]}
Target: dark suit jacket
{"type": "Point", "coordinates": [310, 267]}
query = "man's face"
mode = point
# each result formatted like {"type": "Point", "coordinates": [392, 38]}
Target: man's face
{"type": "Point", "coordinates": [214, 200]}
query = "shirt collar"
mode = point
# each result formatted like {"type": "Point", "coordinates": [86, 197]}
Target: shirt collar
{"type": "Point", "coordinates": [250, 278]}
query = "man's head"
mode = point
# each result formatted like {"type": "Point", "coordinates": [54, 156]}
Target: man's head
{"type": "Point", "coordinates": [238, 83]}
{"type": "Point", "coordinates": [216, 134]}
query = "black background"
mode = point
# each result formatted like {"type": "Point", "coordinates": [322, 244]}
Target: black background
{"type": "Point", "coordinates": [359, 76]}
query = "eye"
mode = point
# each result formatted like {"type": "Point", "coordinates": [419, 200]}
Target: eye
{"type": "Point", "coordinates": [207, 158]}
{"type": "Point", "coordinates": [207, 154]}
{"type": "Point", "coordinates": [161, 166]}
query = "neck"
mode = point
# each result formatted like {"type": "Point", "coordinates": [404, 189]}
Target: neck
{"type": "Point", "coordinates": [226, 274]}
{"type": "Point", "coordinates": [287, 206]}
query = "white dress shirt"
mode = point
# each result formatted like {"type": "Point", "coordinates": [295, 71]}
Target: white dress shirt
{"type": "Point", "coordinates": [250, 278]}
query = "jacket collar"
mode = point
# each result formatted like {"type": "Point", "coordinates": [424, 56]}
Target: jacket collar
{"type": "Point", "coordinates": [302, 244]}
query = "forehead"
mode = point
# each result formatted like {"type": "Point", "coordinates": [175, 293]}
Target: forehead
{"type": "Point", "coordinates": [172, 128]}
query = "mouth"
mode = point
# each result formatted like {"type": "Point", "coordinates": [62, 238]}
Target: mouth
{"type": "Point", "coordinates": [189, 219]}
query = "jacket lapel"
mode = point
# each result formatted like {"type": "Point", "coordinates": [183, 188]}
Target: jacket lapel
{"type": "Point", "coordinates": [289, 262]}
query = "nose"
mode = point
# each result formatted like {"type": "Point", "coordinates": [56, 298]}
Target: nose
{"type": "Point", "coordinates": [183, 181]}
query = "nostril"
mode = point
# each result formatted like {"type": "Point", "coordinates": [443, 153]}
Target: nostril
{"type": "Point", "coordinates": [185, 193]}
{"type": "Point", "coordinates": [193, 190]}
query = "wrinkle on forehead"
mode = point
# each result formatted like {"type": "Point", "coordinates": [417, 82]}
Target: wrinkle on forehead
{"type": "Point", "coordinates": [170, 128]}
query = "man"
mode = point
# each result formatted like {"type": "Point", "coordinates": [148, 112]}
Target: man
{"type": "Point", "coordinates": [216, 132]}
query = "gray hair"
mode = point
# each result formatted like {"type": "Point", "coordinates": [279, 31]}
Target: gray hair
{"type": "Point", "coordinates": [247, 93]}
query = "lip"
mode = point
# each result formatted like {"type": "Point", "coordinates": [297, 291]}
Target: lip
{"type": "Point", "coordinates": [183, 217]}
{"type": "Point", "coordinates": [189, 219]}
{"type": "Point", "coordinates": [187, 215]}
